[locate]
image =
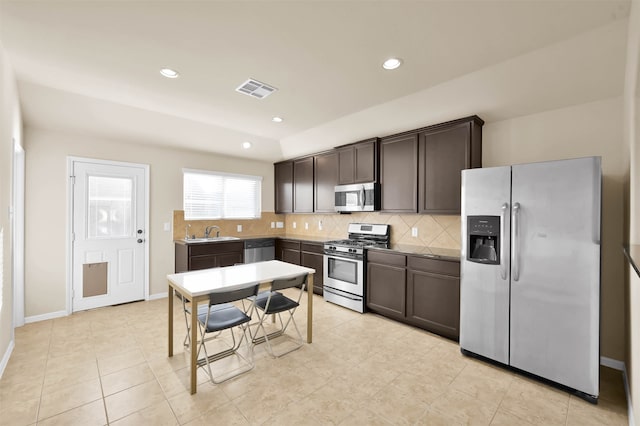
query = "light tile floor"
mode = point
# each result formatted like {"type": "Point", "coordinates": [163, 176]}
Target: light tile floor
{"type": "Point", "coordinates": [110, 366]}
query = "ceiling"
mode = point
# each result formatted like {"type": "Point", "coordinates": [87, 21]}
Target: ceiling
{"type": "Point", "coordinates": [93, 66]}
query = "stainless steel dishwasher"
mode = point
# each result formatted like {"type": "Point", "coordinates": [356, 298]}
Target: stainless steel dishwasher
{"type": "Point", "coordinates": [259, 250]}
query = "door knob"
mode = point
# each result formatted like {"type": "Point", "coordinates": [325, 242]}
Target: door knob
{"type": "Point", "coordinates": [139, 231]}
{"type": "Point", "coordinates": [140, 240]}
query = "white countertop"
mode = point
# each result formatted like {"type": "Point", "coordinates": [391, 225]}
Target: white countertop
{"type": "Point", "coordinates": [205, 281]}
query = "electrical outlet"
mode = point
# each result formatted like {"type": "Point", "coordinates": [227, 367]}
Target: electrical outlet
{"type": "Point", "coordinates": [239, 228]}
{"type": "Point", "coordinates": [279, 225]}
{"type": "Point", "coordinates": [306, 225]}
{"type": "Point", "coordinates": [414, 232]}
{"type": "Point", "coordinates": [320, 225]}
{"type": "Point", "coordinates": [295, 225]}
{"type": "Point", "coordinates": [273, 224]}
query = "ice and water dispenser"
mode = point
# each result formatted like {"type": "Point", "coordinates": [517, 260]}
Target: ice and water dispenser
{"type": "Point", "coordinates": [483, 237]}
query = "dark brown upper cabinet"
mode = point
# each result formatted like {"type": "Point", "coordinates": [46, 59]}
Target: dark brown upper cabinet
{"type": "Point", "coordinates": [444, 151]}
{"type": "Point", "coordinates": [303, 185]}
{"type": "Point", "coordinates": [358, 162]}
{"type": "Point", "coordinates": [399, 173]}
{"type": "Point", "coordinates": [326, 178]}
{"type": "Point", "coordinates": [283, 178]}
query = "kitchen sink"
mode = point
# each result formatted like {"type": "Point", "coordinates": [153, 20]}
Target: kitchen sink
{"type": "Point", "coordinates": [210, 239]}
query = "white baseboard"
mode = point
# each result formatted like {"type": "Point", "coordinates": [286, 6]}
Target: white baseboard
{"type": "Point", "coordinates": [43, 317]}
{"type": "Point", "coordinates": [612, 363]}
{"type": "Point", "coordinates": [157, 296]}
{"type": "Point", "coordinates": [5, 358]}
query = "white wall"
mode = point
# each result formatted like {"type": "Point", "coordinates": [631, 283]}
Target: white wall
{"type": "Point", "coordinates": [46, 205]}
{"type": "Point", "coordinates": [10, 129]}
{"type": "Point", "coordinates": [592, 129]}
{"type": "Point", "coordinates": [632, 149]}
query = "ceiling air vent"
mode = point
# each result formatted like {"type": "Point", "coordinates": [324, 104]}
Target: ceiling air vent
{"type": "Point", "coordinates": [256, 89]}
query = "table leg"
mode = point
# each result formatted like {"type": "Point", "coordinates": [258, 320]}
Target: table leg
{"type": "Point", "coordinates": [170, 321]}
{"type": "Point", "coordinates": [194, 346]}
{"type": "Point", "coordinates": [309, 308]}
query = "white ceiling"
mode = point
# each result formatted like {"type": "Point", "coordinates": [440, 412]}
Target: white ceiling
{"type": "Point", "coordinates": [93, 66]}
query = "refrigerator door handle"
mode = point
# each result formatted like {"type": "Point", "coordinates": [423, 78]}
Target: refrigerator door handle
{"type": "Point", "coordinates": [515, 266]}
{"type": "Point", "coordinates": [503, 261]}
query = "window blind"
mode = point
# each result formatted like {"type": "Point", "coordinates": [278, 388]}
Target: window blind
{"type": "Point", "coordinates": [218, 195]}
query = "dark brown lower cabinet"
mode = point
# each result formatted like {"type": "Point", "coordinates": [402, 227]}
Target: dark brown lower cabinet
{"type": "Point", "coordinates": [424, 293]}
{"type": "Point", "coordinates": [288, 251]}
{"type": "Point", "coordinates": [312, 256]}
{"type": "Point", "coordinates": [305, 253]}
{"type": "Point", "coordinates": [191, 257]}
{"type": "Point", "coordinates": [386, 284]}
{"type": "Point", "coordinates": [433, 299]}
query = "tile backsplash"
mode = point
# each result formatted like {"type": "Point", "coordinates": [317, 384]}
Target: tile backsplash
{"type": "Point", "coordinates": [433, 231]}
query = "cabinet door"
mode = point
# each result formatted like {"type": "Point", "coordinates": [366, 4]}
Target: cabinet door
{"type": "Point", "coordinates": [433, 302]}
{"type": "Point", "coordinates": [443, 154]}
{"type": "Point", "coordinates": [326, 178]}
{"type": "Point", "coordinates": [346, 165]}
{"type": "Point", "coordinates": [315, 261]}
{"type": "Point", "coordinates": [365, 162]}
{"type": "Point", "coordinates": [303, 185]}
{"type": "Point", "coordinates": [283, 177]}
{"type": "Point", "coordinates": [386, 290]}
{"type": "Point", "coordinates": [399, 173]}
{"type": "Point", "coordinates": [291, 256]}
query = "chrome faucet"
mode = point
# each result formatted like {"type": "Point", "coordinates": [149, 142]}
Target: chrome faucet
{"type": "Point", "coordinates": [208, 230]}
{"type": "Point", "coordinates": [186, 232]}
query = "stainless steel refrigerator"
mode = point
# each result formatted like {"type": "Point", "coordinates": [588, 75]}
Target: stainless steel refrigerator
{"type": "Point", "coordinates": [530, 269]}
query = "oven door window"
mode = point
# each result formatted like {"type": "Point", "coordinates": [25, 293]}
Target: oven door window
{"type": "Point", "coordinates": [343, 270]}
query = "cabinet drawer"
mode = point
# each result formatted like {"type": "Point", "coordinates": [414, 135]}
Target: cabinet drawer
{"type": "Point", "coordinates": [290, 244]}
{"type": "Point", "coordinates": [215, 248]}
{"type": "Point", "coordinates": [436, 266]}
{"type": "Point", "coordinates": [386, 258]}
{"type": "Point", "coordinates": [312, 247]}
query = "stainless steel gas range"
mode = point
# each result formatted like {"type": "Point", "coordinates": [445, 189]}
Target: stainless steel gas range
{"type": "Point", "coordinates": [345, 264]}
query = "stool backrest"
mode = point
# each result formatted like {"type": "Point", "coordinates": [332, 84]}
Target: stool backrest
{"type": "Point", "coordinates": [289, 282]}
{"type": "Point", "coordinates": [233, 295]}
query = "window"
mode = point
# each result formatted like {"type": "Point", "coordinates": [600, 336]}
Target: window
{"type": "Point", "coordinates": [110, 201]}
{"type": "Point", "coordinates": [217, 195]}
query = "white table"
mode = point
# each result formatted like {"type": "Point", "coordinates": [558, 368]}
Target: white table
{"type": "Point", "coordinates": [196, 286]}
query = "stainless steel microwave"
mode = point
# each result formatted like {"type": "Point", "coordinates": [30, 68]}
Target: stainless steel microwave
{"type": "Point", "coordinates": [359, 197]}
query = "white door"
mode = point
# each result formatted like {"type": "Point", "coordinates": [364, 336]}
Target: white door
{"type": "Point", "coordinates": [108, 240]}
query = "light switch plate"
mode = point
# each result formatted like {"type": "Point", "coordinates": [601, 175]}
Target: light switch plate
{"type": "Point", "coordinates": [295, 225]}
{"type": "Point", "coordinates": [239, 228]}
{"type": "Point", "coordinates": [279, 225]}
{"type": "Point", "coordinates": [306, 225]}
{"type": "Point", "coordinates": [414, 232]}
{"type": "Point", "coordinates": [320, 225]}
{"type": "Point", "coordinates": [273, 224]}
{"type": "Point", "coordinates": [167, 226]}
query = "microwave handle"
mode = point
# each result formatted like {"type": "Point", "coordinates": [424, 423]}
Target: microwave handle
{"type": "Point", "coordinates": [362, 192]}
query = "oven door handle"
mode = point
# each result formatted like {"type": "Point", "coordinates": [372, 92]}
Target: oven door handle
{"type": "Point", "coordinates": [341, 295]}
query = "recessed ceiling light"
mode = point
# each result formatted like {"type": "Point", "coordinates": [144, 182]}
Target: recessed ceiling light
{"type": "Point", "coordinates": [277, 119]}
{"type": "Point", "coordinates": [392, 63]}
{"type": "Point", "coordinates": [246, 145]}
{"type": "Point", "coordinates": [169, 73]}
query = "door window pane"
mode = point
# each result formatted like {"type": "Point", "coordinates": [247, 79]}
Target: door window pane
{"type": "Point", "coordinates": [110, 202]}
